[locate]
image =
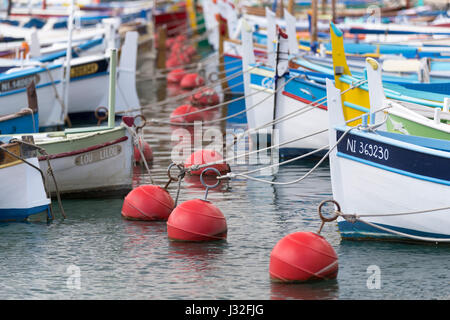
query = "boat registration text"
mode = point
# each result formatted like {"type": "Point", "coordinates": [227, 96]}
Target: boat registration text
{"type": "Point", "coordinates": [98, 155]}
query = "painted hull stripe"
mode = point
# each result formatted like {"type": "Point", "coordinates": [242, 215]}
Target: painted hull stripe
{"type": "Point", "coordinates": [99, 74]}
{"type": "Point", "coordinates": [362, 230]}
{"type": "Point", "coordinates": [92, 148]}
{"type": "Point", "coordinates": [293, 96]}
{"type": "Point", "coordinates": [25, 89]}
{"type": "Point", "coordinates": [14, 214]}
{"type": "Point", "coordinates": [402, 172]}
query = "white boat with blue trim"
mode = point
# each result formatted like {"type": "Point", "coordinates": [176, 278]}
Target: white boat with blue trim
{"type": "Point", "coordinates": [389, 186]}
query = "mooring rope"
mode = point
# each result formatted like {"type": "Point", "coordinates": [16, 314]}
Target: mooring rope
{"type": "Point", "coordinates": [352, 218]}
{"type": "Point", "coordinates": [245, 174]}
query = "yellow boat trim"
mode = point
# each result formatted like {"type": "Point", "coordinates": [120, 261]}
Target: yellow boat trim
{"type": "Point", "coordinates": [356, 96]}
{"type": "Point", "coordinates": [10, 164]}
{"type": "Point", "coordinates": [190, 6]}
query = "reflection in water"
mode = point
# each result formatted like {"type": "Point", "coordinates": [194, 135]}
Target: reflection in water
{"type": "Point", "coordinates": [199, 258]}
{"type": "Point", "coordinates": [322, 290]}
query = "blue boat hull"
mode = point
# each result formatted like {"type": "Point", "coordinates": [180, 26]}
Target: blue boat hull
{"type": "Point", "coordinates": [21, 214]}
{"type": "Point", "coordinates": [233, 66]}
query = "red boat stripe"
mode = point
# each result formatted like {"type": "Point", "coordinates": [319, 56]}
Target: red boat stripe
{"type": "Point", "coordinates": [293, 96]}
{"type": "Point", "coordinates": [71, 153]}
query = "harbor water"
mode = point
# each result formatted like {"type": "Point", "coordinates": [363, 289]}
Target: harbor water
{"type": "Point", "coordinates": [96, 254]}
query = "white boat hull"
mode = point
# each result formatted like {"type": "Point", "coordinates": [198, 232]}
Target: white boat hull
{"type": "Point", "coordinates": [101, 169]}
{"type": "Point", "coordinates": [22, 191]}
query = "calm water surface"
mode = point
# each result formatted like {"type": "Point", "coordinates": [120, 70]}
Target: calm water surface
{"type": "Point", "coordinates": [120, 259]}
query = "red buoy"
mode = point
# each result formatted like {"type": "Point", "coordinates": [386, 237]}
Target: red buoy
{"type": "Point", "coordinates": [205, 97]}
{"type": "Point", "coordinates": [175, 75]}
{"type": "Point", "coordinates": [204, 156]}
{"type": "Point", "coordinates": [169, 42]}
{"type": "Point", "coordinates": [191, 81]}
{"type": "Point", "coordinates": [182, 114]}
{"type": "Point", "coordinates": [181, 38]}
{"type": "Point", "coordinates": [196, 220]}
{"type": "Point", "coordinates": [303, 256]}
{"type": "Point", "coordinates": [173, 62]}
{"type": "Point", "coordinates": [190, 51]}
{"type": "Point", "coordinates": [146, 150]}
{"type": "Point", "coordinates": [147, 202]}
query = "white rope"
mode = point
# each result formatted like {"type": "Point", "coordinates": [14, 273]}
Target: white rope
{"type": "Point", "coordinates": [232, 175]}
{"type": "Point", "coordinates": [139, 147]}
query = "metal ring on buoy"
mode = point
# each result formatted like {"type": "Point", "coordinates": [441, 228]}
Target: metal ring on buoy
{"type": "Point", "coordinates": [98, 117]}
{"type": "Point", "coordinates": [143, 119]}
{"type": "Point", "coordinates": [182, 173]}
{"type": "Point", "coordinates": [208, 186]}
{"type": "Point", "coordinates": [319, 209]}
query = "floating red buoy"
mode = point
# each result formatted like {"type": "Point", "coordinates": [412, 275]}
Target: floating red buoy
{"type": "Point", "coordinates": [190, 51]}
{"type": "Point", "coordinates": [173, 62]}
{"type": "Point", "coordinates": [205, 97]}
{"type": "Point", "coordinates": [184, 111]}
{"type": "Point", "coordinates": [147, 202]}
{"type": "Point", "coordinates": [175, 75]}
{"type": "Point", "coordinates": [197, 220]}
{"type": "Point", "coordinates": [191, 81]}
{"type": "Point", "coordinates": [205, 156]}
{"type": "Point", "coordinates": [181, 38]}
{"type": "Point", "coordinates": [146, 150]}
{"type": "Point", "coordinates": [303, 256]}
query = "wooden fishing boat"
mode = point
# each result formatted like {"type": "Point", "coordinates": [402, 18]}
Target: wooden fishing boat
{"type": "Point", "coordinates": [403, 118]}
{"type": "Point", "coordinates": [47, 78]}
{"type": "Point", "coordinates": [85, 73]}
{"type": "Point", "coordinates": [22, 191]}
{"type": "Point", "coordinates": [374, 175]}
{"type": "Point", "coordinates": [300, 102]}
{"type": "Point", "coordinates": [89, 162]}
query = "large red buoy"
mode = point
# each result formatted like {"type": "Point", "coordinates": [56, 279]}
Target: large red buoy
{"type": "Point", "coordinates": [147, 202]}
{"type": "Point", "coordinates": [191, 81]}
{"type": "Point", "coordinates": [175, 75]}
{"type": "Point", "coordinates": [303, 256]}
{"type": "Point", "coordinates": [146, 150]}
{"type": "Point", "coordinates": [182, 114]}
{"type": "Point", "coordinates": [196, 220]}
{"type": "Point", "coordinates": [205, 97]}
{"type": "Point", "coordinates": [204, 156]}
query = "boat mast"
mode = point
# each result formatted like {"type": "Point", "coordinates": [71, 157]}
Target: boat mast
{"type": "Point", "coordinates": [313, 25]}
{"type": "Point", "coordinates": [112, 88]}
